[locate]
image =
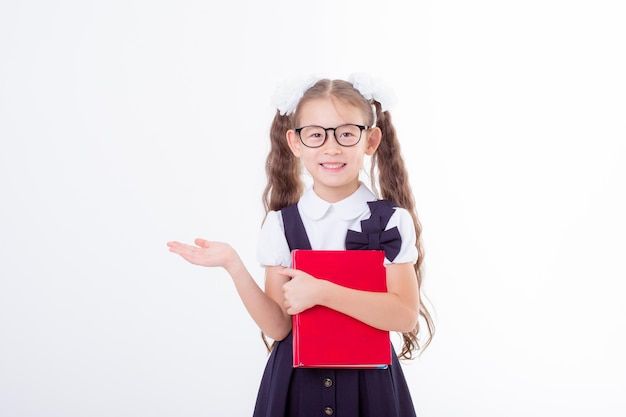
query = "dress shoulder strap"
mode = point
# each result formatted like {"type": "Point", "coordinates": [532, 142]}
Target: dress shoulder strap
{"type": "Point", "coordinates": [294, 228]}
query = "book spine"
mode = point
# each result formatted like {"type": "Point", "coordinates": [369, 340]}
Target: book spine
{"type": "Point", "coordinates": [296, 340]}
{"type": "Point", "coordinates": [295, 323]}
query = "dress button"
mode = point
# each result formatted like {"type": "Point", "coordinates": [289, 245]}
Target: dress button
{"type": "Point", "coordinates": [328, 411]}
{"type": "Point", "coordinates": [328, 382]}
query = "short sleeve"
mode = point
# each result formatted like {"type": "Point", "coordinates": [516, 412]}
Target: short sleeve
{"type": "Point", "coordinates": [403, 220]}
{"type": "Point", "coordinates": [272, 247]}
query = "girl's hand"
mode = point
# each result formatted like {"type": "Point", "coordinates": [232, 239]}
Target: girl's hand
{"type": "Point", "coordinates": [206, 253]}
{"type": "Point", "coordinates": [302, 292]}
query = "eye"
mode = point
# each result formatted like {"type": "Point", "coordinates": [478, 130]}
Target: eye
{"type": "Point", "coordinates": [313, 135]}
{"type": "Point", "coordinates": [348, 131]}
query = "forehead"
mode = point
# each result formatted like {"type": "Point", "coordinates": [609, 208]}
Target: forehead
{"type": "Point", "coordinates": [329, 112]}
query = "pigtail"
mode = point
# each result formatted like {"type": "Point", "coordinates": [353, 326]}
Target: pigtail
{"type": "Point", "coordinates": [284, 185]}
{"type": "Point", "coordinates": [393, 180]}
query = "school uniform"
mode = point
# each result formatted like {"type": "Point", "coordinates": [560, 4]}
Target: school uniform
{"type": "Point", "coordinates": [357, 222]}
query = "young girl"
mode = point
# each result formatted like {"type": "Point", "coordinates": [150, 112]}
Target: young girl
{"type": "Point", "coordinates": [329, 126]}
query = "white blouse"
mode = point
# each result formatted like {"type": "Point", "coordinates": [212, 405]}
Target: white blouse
{"type": "Point", "coordinates": [327, 224]}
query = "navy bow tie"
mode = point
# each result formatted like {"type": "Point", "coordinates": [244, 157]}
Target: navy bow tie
{"type": "Point", "coordinates": [373, 235]}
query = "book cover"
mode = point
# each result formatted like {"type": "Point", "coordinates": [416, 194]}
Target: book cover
{"type": "Point", "coordinates": [323, 337]}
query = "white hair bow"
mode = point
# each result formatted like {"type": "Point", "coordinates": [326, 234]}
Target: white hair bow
{"type": "Point", "coordinates": [288, 94]}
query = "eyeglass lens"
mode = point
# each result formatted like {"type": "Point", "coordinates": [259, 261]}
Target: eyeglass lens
{"type": "Point", "coordinates": [315, 136]}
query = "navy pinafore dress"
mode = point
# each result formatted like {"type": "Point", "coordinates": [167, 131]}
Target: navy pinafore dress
{"type": "Point", "coordinates": [307, 392]}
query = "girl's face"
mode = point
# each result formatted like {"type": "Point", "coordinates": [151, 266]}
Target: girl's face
{"type": "Point", "coordinates": [334, 168]}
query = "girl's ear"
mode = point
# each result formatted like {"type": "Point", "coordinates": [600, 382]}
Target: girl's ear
{"type": "Point", "coordinates": [294, 143]}
{"type": "Point", "coordinates": [373, 140]}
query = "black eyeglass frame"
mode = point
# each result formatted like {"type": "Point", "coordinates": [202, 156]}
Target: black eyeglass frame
{"type": "Point", "coordinates": [334, 129]}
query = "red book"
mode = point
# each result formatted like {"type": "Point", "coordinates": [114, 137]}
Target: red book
{"type": "Point", "coordinates": [325, 338]}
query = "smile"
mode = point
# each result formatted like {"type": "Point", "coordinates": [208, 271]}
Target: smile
{"type": "Point", "coordinates": [336, 165]}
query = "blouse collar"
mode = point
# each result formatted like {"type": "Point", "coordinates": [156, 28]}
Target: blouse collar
{"type": "Point", "coordinates": [351, 207]}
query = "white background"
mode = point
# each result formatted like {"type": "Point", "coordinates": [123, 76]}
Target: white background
{"type": "Point", "coordinates": [125, 124]}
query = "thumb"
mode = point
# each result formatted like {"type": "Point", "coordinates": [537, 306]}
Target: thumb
{"type": "Point", "coordinates": [203, 243]}
{"type": "Point", "coordinates": [288, 272]}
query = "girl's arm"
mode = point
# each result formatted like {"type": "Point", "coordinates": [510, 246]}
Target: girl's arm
{"type": "Point", "coordinates": [274, 282]}
{"type": "Point", "coordinates": [395, 310]}
{"type": "Point", "coordinates": [265, 309]}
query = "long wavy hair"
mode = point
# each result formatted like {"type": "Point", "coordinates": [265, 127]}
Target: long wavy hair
{"type": "Point", "coordinates": [388, 171]}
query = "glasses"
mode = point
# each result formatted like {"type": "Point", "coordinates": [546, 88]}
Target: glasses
{"type": "Point", "coordinates": [345, 135]}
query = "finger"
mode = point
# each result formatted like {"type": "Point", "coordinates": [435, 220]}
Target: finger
{"type": "Point", "coordinates": [175, 246]}
{"type": "Point", "coordinates": [288, 272]}
{"type": "Point", "coordinates": [292, 311]}
{"type": "Point", "coordinates": [178, 247]}
{"type": "Point", "coordinates": [179, 244]}
{"type": "Point", "coordinates": [203, 243]}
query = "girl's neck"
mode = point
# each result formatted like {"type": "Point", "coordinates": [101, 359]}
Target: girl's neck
{"type": "Point", "coordinates": [335, 194]}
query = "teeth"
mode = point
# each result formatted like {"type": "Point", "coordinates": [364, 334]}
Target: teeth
{"type": "Point", "coordinates": [332, 166]}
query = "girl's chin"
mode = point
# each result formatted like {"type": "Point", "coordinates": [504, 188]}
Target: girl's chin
{"type": "Point", "coordinates": [335, 190]}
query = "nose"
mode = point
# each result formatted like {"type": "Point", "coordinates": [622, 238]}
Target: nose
{"type": "Point", "coordinates": [331, 145]}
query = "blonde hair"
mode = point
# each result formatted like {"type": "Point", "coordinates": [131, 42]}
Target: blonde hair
{"type": "Point", "coordinates": [284, 181]}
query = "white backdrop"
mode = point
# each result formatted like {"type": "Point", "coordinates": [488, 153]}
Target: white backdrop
{"type": "Point", "coordinates": [125, 124]}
